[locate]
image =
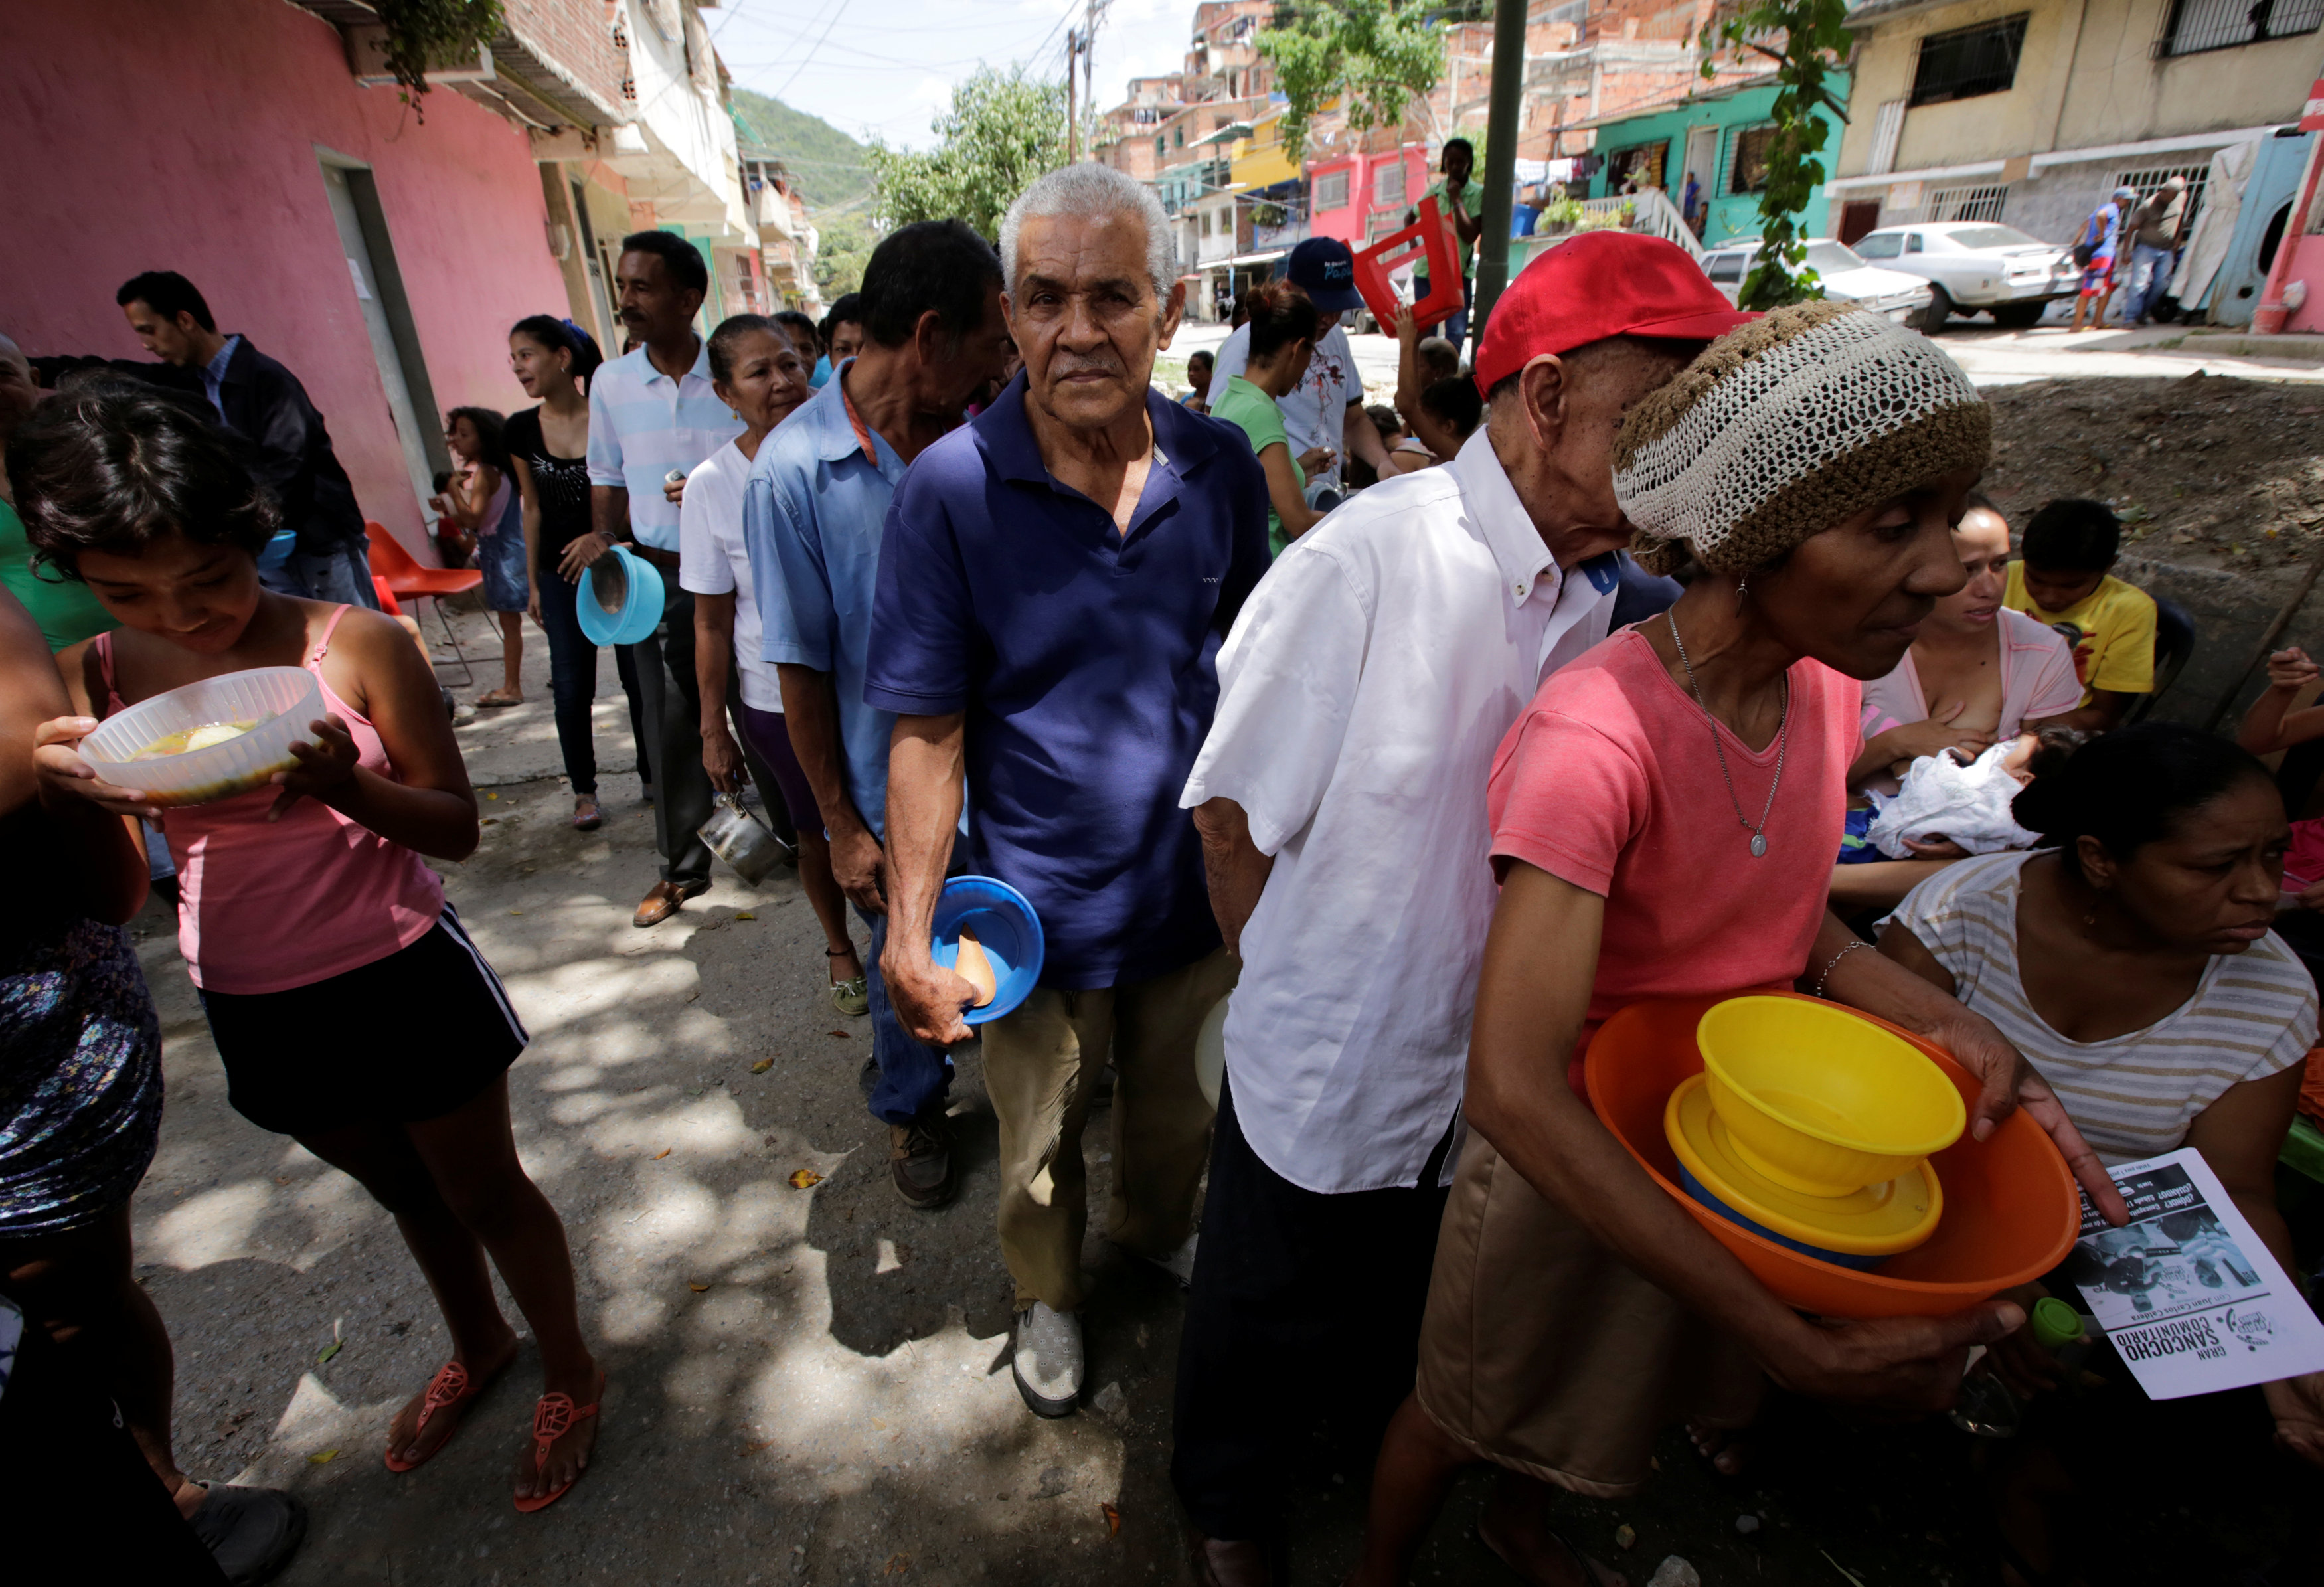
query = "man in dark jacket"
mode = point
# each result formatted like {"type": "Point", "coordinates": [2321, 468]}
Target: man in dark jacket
{"type": "Point", "coordinates": [263, 402]}
{"type": "Point", "coordinates": [2156, 231]}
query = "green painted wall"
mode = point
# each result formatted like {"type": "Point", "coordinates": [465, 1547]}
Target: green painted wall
{"type": "Point", "coordinates": [1732, 214]}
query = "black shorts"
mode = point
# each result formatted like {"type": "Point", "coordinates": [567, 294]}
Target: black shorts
{"type": "Point", "coordinates": [409, 1036]}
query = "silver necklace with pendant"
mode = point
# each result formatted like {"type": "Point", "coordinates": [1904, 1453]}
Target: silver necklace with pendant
{"type": "Point", "coordinates": [1782, 732]}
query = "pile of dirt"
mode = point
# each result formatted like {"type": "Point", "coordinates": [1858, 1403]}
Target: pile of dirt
{"type": "Point", "coordinates": [2206, 471]}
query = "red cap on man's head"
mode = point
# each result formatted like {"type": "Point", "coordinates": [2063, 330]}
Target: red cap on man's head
{"type": "Point", "coordinates": [1600, 284]}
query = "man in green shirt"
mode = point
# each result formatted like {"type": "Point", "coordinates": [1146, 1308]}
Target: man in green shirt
{"type": "Point", "coordinates": [1462, 198]}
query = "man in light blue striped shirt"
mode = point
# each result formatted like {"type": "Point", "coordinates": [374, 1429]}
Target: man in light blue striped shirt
{"type": "Point", "coordinates": [652, 418]}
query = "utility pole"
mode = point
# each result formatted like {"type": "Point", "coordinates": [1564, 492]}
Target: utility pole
{"type": "Point", "coordinates": [1500, 160]}
{"type": "Point", "coordinates": [1073, 121]}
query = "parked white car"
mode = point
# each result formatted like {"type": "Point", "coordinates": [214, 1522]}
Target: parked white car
{"type": "Point", "coordinates": [1905, 298]}
{"type": "Point", "coordinates": [1972, 266]}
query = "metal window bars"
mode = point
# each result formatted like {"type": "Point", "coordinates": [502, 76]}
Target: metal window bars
{"type": "Point", "coordinates": [2192, 26]}
{"type": "Point", "coordinates": [1981, 204]}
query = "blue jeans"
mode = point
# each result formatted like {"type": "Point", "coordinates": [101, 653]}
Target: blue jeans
{"type": "Point", "coordinates": [342, 574]}
{"type": "Point", "coordinates": [2150, 276]}
{"type": "Point", "coordinates": [1455, 330]}
{"type": "Point", "coordinates": [572, 677]}
{"type": "Point", "coordinates": [913, 1076]}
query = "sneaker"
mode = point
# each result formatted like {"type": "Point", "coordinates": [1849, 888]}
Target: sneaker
{"type": "Point", "coordinates": [920, 1160]}
{"type": "Point", "coordinates": [1047, 1361]}
{"type": "Point", "coordinates": [852, 997]}
{"type": "Point", "coordinates": [251, 1532]}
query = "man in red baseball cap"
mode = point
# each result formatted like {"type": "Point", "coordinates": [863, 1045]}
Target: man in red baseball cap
{"type": "Point", "coordinates": [1600, 284]}
{"type": "Point", "coordinates": [1341, 799]}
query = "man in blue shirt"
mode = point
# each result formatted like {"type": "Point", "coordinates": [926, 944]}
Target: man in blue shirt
{"type": "Point", "coordinates": [652, 418]}
{"type": "Point", "coordinates": [819, 490]}
{"type": "Point", "coordinates": [1054, 583]}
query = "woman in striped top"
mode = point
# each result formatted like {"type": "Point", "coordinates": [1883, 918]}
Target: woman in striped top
{"type": "Point", "coordinates": [2130, 959]}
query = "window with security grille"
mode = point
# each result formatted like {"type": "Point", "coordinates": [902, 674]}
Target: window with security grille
{"type": "Point", "coordinates": [1388, 184]}
{"type": "Point", "coordinates": [1985, 204]}
{"type": "Point", "coordinates": [2192, 26]}
{"type": "Point", "coordinates": [1331, 190]}
{"type": "Point", "coordinates": [2149, 182]}
{"type": "Point", "coordinates": [1969, 61]}
{"type": "Point", "coordinates": [1746, 171]}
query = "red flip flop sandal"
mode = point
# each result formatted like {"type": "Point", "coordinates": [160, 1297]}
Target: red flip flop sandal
{"type": "Point", "coordinates": [449, 1386]}
{"type": "Point", "coordinates": [552, 1418]}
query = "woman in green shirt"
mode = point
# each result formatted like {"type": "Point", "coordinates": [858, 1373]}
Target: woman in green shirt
{"type": "Point", "coordinates": [1284, 326]}
{"type": "Point", "coordinates": [63, 607]}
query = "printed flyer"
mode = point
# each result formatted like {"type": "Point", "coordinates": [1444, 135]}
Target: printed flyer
{"type": "Point", "coordinates": [2191, 1300]}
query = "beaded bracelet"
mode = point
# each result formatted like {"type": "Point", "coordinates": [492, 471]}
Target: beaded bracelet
{"type": "Point", "coordinates": [1834, 963]}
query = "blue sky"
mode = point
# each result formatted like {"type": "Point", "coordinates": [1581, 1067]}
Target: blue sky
{"type": "Point", "coordinates": [883, 68]}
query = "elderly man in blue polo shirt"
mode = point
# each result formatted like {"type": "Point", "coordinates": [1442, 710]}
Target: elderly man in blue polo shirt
{"type": "Point", "coordinates": [1054, 583]}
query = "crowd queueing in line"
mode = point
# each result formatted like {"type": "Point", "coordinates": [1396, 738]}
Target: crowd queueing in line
{"type": "Point", "coordinates": [1580, 701]}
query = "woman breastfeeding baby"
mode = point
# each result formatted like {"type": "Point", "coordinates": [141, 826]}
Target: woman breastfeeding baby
{"type": "Point", "coordinates": [1978, 674]}
{"type": "Point", "coordinates": [307, 915]}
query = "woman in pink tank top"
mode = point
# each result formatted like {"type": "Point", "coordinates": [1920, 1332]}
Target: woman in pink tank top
{"type": "Point", "coordinates": [350, 1008]}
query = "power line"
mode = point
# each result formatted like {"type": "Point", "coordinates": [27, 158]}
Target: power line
{"type": "Point", "coordinates": [839, 11]}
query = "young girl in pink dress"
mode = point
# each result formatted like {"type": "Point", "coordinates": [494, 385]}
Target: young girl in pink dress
{"type": "Point", "coordinates": [350, 1008]}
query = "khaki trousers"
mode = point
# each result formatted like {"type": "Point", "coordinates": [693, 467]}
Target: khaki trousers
{"type": "Point", "coordinates": [1041, 1062]}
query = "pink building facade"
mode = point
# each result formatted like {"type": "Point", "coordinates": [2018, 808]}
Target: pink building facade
{"type": "Point", "coordinates": [1358, 196]}
{"type": "Point", "coordinates": [365, 248]}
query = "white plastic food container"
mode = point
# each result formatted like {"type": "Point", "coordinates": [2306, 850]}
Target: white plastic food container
{"type": "Point", "coordinates": [275, 703]}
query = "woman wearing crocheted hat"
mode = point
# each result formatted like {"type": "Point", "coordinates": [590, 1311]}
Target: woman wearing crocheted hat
{"type": "Point", "coordinates": [1664, 816]}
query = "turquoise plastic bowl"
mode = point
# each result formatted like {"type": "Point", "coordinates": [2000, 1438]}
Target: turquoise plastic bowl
{"type": "Point", "coordinates": [626, 615]}
{"type": "Point", "coordinates": [1006, 926]}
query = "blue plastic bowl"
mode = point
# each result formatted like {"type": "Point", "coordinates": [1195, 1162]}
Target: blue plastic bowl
{"type": "Point", "coordinates": [632, 619]}
{"type": "Point", "coordinates": [1695, 1189]}
{"type": "Point", "coordinates": [1006, 926]}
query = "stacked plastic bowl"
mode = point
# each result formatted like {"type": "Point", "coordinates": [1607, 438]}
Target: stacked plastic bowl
{"type": "Point", "coordinates": [1812, 1128]}
{"type": "Point", "coordinates": [271, 706]}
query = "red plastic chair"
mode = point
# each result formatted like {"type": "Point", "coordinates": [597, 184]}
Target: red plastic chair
{"type": "Point", "coordinates": [1432, 237]}
{"type": "Point", "coordinates": [407, 580]}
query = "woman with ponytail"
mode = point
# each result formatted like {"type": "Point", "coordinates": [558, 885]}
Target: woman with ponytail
{"type": "Point", "coordinates": [548, 449]}
{"type": "Point", "coordinates": [2130, 958]}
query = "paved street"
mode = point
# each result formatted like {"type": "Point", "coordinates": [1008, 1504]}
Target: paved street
{"type": "Point", "coordinates": [1992, 357]}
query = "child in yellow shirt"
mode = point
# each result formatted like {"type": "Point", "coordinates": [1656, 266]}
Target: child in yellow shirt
{"type": "Point", "coordinates": [2063, 580]}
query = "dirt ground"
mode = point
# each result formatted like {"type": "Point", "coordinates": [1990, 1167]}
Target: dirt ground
{"type": "Point", "coordinates": [2206, 471]}
{"type": "Point", "coordinates": [810, 1385]}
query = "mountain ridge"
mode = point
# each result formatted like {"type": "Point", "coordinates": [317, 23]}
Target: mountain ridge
{"type": "Point", "coordinates": [828, 166]}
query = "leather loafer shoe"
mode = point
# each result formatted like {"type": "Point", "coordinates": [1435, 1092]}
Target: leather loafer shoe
{"type": "Point", "coordinates": [919, 1159]}
{"type": "Point", "coordinates": [662, 900]}
{"type": "Point", "coordinates": [1220, 1563]}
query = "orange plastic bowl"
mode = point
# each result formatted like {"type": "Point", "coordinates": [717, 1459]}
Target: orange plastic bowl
{"type": "Point", "coordinates": [2012, 1209]}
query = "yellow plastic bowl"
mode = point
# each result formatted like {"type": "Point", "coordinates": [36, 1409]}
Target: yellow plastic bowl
{"type": "Point", "coordinates": [1820, 1101]}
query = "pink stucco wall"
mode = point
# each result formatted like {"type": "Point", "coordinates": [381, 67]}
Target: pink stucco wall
{"type": "Point", "coordinates": [2308, 265]}
{"type": "Point", "coordinates": [1352, 222]}
{"type": "Point", "coordinates": [182, 135]}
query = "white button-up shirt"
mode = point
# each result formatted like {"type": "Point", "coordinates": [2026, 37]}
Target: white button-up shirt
{"type": "Point", "coordinates": [1362, 693]}
{"type": "Point", "coordinates": [643, 424]}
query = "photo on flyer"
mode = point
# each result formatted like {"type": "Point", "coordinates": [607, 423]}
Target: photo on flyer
{"type": "Point", "coordinates": [2190, 1299]}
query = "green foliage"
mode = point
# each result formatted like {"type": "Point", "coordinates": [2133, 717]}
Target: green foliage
{"type": "Point", "coordinates": [1375, 56]}
{"type": "Point", "coordinates": [1565, 210]}
{"type": "Point", "coordinates": [828, 168]}
{"type": "Point", "coordinates": [421, 33]}
{"type": "Point", "coordinates": [844, 246]}
{"type": "Point", "coordinates": [1814, 42]}
{"type": "Point", "coordinates": [1004, 129]}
